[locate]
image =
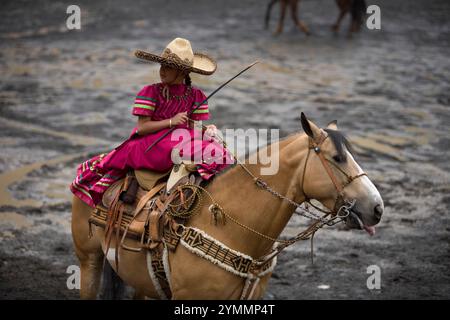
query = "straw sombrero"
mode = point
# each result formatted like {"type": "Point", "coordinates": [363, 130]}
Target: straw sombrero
{"type": "Point", "coordinates": [179, 54]}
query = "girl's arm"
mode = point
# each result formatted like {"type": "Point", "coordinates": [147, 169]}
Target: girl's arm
{"type": "Point", "coordinates": [146, 125]}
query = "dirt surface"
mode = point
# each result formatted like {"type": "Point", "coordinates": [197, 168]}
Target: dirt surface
{"type": "Point", "coordinates": [66, 95]}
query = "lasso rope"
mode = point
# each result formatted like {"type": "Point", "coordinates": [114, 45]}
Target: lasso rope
{"type": "Point", "coordinates": [188, 207]}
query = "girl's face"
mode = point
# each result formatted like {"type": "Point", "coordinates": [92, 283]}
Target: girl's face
{"type": "Point", "coordinates": [170, 75]}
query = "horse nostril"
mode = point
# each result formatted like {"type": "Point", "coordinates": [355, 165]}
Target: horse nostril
{"type": "Point", "coordinates": [378, 211]}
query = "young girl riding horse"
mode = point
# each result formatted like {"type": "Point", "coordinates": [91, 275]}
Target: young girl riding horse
{"type": "Point", "coordinates": [159, 108]}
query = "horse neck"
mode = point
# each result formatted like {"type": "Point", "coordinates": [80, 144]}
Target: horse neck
{"type": "Point", "coordinates": [256, 208]}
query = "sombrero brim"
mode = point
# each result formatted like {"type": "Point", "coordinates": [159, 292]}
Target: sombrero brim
{"type": "Point", "coordinates": [203, 64]}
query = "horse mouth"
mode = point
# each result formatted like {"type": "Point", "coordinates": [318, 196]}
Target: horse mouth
{"type": "Point", "coordinates": [355, 217]}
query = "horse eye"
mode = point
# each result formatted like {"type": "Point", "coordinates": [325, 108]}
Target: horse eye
{"type": "Point", "coordinates": [338, 159]}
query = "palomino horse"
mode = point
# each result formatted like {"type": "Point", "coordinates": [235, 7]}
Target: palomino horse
{"type": "Point", "coordinates": [316, 165]}
{"type": "Point", "coordinates": [356, 8]}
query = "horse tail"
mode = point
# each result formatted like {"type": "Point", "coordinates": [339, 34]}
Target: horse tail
{"type": "Point", "coordinates": [358, 11]}
{"type": "Point", "coordinates": [113, 288]}
{"type": "Point", "coordinates": [269, 8]}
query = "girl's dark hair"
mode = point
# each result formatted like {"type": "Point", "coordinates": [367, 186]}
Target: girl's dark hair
{"type": "Point", "coordinates": [187, 80]}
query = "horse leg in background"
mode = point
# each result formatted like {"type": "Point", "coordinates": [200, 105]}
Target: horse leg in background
{"type": "Point", "coordinates": [283, 4]}
{"type": "Point", "coordinates": [269, 9]}
{"type": "Point", "coordinates": [88, 250]}
{"type": "Point", "coordinates": [298, 23]}
{"type": "Point", "coordinates": [358, 11]}
{"type": "Point", "coordinates": [344, 7]}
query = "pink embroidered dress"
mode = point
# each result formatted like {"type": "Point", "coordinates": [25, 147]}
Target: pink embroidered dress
{"type": "Point", "coordinates": [97, 174]}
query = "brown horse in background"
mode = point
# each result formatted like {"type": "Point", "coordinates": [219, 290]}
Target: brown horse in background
{"type": "Point", "coordinates": [304, 173]}
{"type": "Point", "coordinates": [357, 9]}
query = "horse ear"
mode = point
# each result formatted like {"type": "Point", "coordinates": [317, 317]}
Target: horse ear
{"type": "Point", "coordinates": [332, 125]}
{"type": "Point", "coordinates": [310, 128]}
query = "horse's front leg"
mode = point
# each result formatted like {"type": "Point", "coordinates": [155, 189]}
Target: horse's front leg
{"type": "Point", "coordinates": [335, 27]}
{"type": "Point", "coordinates": [355, 26]}
{"type": "Point", "coordinates": [268, 10]}
{"type": "Point", "coordinates": [282, 14]}
{"type": "Point", "coordinates": [343, 9]}
{"type": "Point", "coordinates": [298, 23]}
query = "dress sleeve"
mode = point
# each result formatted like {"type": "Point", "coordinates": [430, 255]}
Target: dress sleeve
{"type": "Point", "coordinates": [146, 102]}
{"type": "Point", "coordinates": [202, 113]}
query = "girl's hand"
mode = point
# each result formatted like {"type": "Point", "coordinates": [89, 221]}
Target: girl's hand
{"type": "Point", "coordinates": [179, 118]}
{"type": "Point", "coordinates": [211, 131]}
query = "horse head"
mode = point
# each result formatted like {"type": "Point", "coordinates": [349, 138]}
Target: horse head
{"type": "Point", "coordinates": [333, 177]}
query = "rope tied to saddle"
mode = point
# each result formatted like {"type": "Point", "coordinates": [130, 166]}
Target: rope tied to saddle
{"type": "Point", "coordinates": [187, 206]}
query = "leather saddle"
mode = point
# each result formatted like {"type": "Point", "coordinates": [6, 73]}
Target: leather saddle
{"type": "Point", "coordinates": [135, 206]}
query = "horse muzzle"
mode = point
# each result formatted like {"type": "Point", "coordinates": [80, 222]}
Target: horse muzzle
{"type": "Point", "coordinates": [356, 220]}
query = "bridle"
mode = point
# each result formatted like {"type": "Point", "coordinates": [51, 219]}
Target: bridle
{"type": "Point", "coordinates": [341, 207]}
{"type": "Point", "coordinates": [340, 200]}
